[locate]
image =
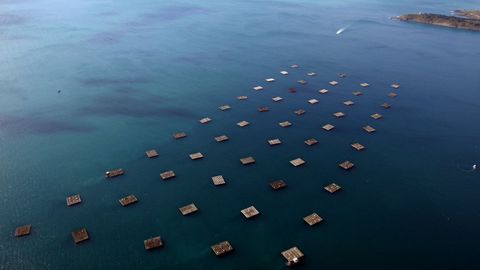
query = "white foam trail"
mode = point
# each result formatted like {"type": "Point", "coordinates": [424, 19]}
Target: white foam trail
{"type": "Point", "coordinates": [341, 30]}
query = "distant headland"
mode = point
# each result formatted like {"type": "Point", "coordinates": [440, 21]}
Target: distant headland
{"type": "Point", "coordinates": [462, 19]}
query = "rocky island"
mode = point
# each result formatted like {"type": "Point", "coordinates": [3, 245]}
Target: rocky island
{"type": "Point", "coordinates": [463, 19]}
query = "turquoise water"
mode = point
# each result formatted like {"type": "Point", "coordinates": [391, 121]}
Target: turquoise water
{"type": "Point", "coordinates": [132, 73]}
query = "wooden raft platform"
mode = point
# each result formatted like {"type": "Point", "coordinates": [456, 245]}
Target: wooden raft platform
{"type": "Point", "coordinates": [346, 165]}
{"type": "Point", "coordinates": [348, 103]}
{"type": "Point", "coordinates": [285, 124]}
{"type": "Point", "coordinates": [80, 235]}
{"type": "Point", "coordinates": [218, 180]}
{"type": "Point", "coordinates": [247, 160]}
{"type": "Point", "coordinates": [224, 107]}
{"type": "Point", "coordinates": [222, 248]}
{"type": "Point", "coordinates": [250, 212]}
{"type": "Point", "coordinates": [196, 156]}
{"type": "Point", "coordinates": [357, 146]}
{"type": "Point", "coordinates": [188, 209]}
{"type": "Point", "coordinates": [277, 99]}
{"type": "Point", "coordinates": [292, 255]}
{"type": "Point", "coordinates": [311, 74]}
{"type": "Point", "coordinates": [263, 109]}
{"type": "Point", "coordinates": [269, 79]}
{"type": "Point", "coordinates": [395, 85]}
{"type": "Point", "coordinates": [258, 88]}
{"type": "Point", "coordinates": [328, 127]}
{"type": "Point", "coordinates": [342, 75]}
{"type": "Point", "coordinates": [23, 230]}
{"type": "Point", "coordinates": [392, 94]}
{"type": "Point", "coordinates": [278, 184]}
{"type": "Point", "coordinates": [376, 116]}
{"type": "Point", "coordinates": [369, 129]}
{"type": "Point", "coordinates": [364, 84]}
{"type": "Point", "coordinates": [357, 93]}
{"type": "Point", "coordinates": [313, 219]}
{"type": "Point", "coordinates": [126, 201]}
{"type": "Point", "coordinates": [323, 91]}
{"type": "Point", "coordinates": [274, 142]}
{"type": "Point", "coordinates": [74, 199]}
{"type": "Point", "coordinates": [294, 66]}
{"type": "Point", "coordinates": [313, 101]}
{"type": "Point", "coordinates": [151, 153]}
{"type": "Point", "coordinates": [311, 142]}
{"type": "Point", "coordinates": [114, 173]}
{"type": "Point", "coordinates": [299, 112]}
{"type": "Point", "coordinates": [243, 123]}
{"type": "Point", "coordinates": [333, 83]}
{"type": "Point", "coordinates": [153, 243]}
{"type": "Point", "coordinates": [332, 188]}
{"type": "Point", "coordinates": [242, 97]}
{"type": "Point", "coordinates": [302, 82]}
{"type": "Point", "coordinates": [386, 105]}
{"type": "Point", "coordinates": [179, 135]}
{"type": "Point", "coordinates": [339, 114]}
{"type": "Point", "coordinates": [167, 175]}
{"type": "Point", "coordinates": [205, 120]}
{"type": "Point", "coordinates": [284, 72]}
{"type": "Point", "coordinates": [221, 138]}
{"type": "Point", "coordinates": [297, 162]}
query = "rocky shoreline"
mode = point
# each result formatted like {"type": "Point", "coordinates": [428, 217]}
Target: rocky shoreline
{"type": "Point", "coordinates": [464, 19]}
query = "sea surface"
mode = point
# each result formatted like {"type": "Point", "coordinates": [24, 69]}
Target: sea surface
{"type": "Point", "coordinates": [88, 86]}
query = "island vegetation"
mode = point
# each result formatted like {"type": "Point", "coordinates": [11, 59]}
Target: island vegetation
{"type": "Point", "coordinates": [462, 19]}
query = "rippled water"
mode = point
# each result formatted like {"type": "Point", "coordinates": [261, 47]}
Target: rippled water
{"type": "Point", "coordinates": [132, 73]}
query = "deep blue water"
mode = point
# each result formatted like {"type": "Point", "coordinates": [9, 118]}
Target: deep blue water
{"type": "Point", "coordinates": [132, 73]}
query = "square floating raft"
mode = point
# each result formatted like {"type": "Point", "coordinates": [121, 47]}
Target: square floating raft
{"type": "Point", "coordinates": [278, 184]}
{"type": "Point", "coordinates": [369, 129]}
{"type": "Point", "coordinates": [346, 165]}
{"type": "Point", "coordinates": [258, 88]}
{"type": "Point", "coordinates": [274, 142]}
{"type": "Point", "coordinates": [339, 114]}
{"type": "Point", "coordinates": [243, 123]}
{"type": "Point", "coordinates": [218, 180]}
{"type": "Point", "coordinates": [358, 146]}
{"type": "Point", "coordinates": [292, 255]}
{"type": "Point", "coordinates": [300, 112]}
{"type": "Point", "coordinates": [126, 201]}
{"type": "Point", "coordinates": [313, 219]}
{"type": "Point", "coordinates": [188, 209]}
{"type": "Point", "coordinates": [297, 162]}
{"type": "Point", "coordinates": [153, 243]}
{"type": "Point", "coordinates": [179, 135]}
{"type": "Point", "coordinates": [386, 105]}
{"type": "Point", "coordinates": [285, 124]}
{"type": "Point", "coordinates": [242, 97]}
{"type": "Point", "coordinates": [277, 99]}
{"type": "Point", "coordinates": [151, 153]}
{"type": "Point", "coordinates": [333, 83]}
{"type": "Point", "coordinates": [357, 93]}
{"type": "Point", "coordinates": [395, 85]}
{"type": "Point", "coordinates": [311, 74]}
{"type": "Point", "coordinates": [74, 199]}
{"type": "Point", "coordinates": [114, 173]}
{"type": "Point", "coordinates": [313, 101]}
{"type": "Point", "coordinates": [302, 82]}
{"type": "Point", "coordinates": [221, 138]}
{"type": "Point", "coordinates": [348, 103]}
{"type": "Point", "coordinates": [283, 72]}
{"type": "Point", "coordinates": [222, 248]}
{"type": "Point", "coordinates": [205, 120]}
{"type": "Point", "coordinates": [328, 127]}
{"type": "Point", "coordinates": [167, 175]}
{"type": "Point", "coordinates": [323, 91]}
{"type": "Point", "coordinates": [270, 80]}
{"type": "Point", "coordinates": [342, 75]}
{"type": "Point", "coordinates": [392, 95]}
{"type": "Point", "coordinates": [80, 235]}
{"type": "Point", "coordinates": [196, 156]}
{"type": "Point", "coordinates": [263, 109]}
{"type": "Point", "coordinates": [311, 142]}
{"type": "Point", "coordinates": [225, 107]}
{"type": "Point", "coordinates": [294, 66]}
{"type": "Point", "coordinates": [23, 230]}
{"type": "Point", "coordinates": [292, 90]}
{"type": "Point", "coordinates": [247, 160]}
{"type": "Point", "coordinates": [250, 212]}
{"type": "Point", "coordinates": [364, 84]}
{"type": "Point", "coordinates": [332, 188]}
{"type": "Point", "coordinates": [376, 116]}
